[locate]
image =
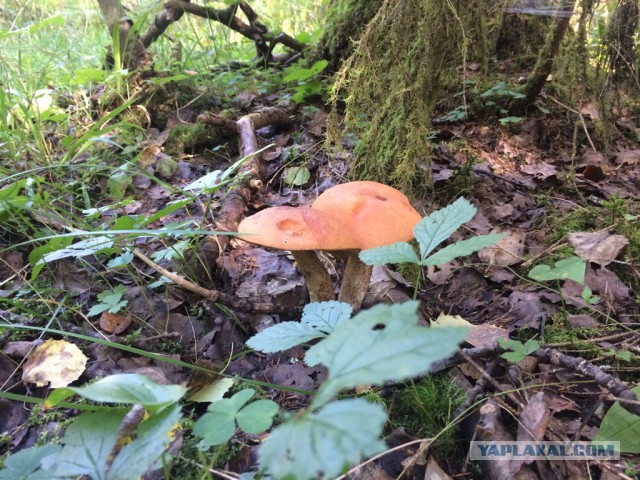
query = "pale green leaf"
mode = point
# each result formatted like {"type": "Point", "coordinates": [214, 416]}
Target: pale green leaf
{"type": "Point", "coordinates": [90, 246]}
{"type": "Point", "coordinates": [572, 268]}
{"type": "Point", "coordinates": [129, 388]}
{"type": "Point", "coordinates": [322, 445]}
{"type": "Point", "coordinates": [25, 464]}
{"type": "Point", "coordinates": [212, 392]}
{"type": "Point", "coordinates": [620, 425]}
{"type": "Point", "coordinates": [379, 344]}
{"type": "Point", "coordinates": [326, 316]}
{"type": "Point", "coordinates": [462, 248]}
{"type": "Point", "coordinates": [318, 320]}
{"type": "Point", "coordinates": [434, 229]}
{"type": "Point", "coordinates": [121, 260]}
{"type": "Point", "coordinates": [282, 336]}
{"type": "Point", "coordinates": [257, 417]}
{"type": "Point", "coordinates": [400, 252]}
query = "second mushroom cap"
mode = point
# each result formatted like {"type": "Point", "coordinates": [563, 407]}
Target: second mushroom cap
{"type": "Point", "coordinates": [375, 214]}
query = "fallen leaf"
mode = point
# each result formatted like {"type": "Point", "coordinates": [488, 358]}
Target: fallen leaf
{"type": "Point", "coordinates": [599, 247]}
{"type": "Point", "coordinates": [114, 322]}
{"type": "Point", "coordinates": [55, 362]}
{"type": "Point", "coordinates": [435, 472]}
{"type": "Point", "coordinates": [486, 335]}
{"type": "Point", "coordinates": [507, 251]}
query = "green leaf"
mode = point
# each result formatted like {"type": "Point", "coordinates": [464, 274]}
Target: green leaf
{"type": "Point", "coordinates": [218, 425]}
{"type": "Point", "coordinates": [620, 425]}
{"type": "Point", "coordinates": [88, 441]}
{"type": "Point", "coordinates": [90, 246]}
{"type": "Point", "coordinates": [505, 120]}
{"type": "Point", "coordinates": [463, 248]}
{"type": "Point", "coordinates": [303, 37]}
{"type": "Point", "coordinates": [400, 252]}
{"type": "Point", "coordinates": [572, 268]}
{"type": "Point", "coordinates": [326, 316]}
{"type": "Point", "coordinates": [129, 388]}
{"type": "Point", "coordinates": [324, 444]}
{"type": "Point", "coordinates": [25, 464]}
{"type": "Point", "coordinates": [434, 229]}
{"type": "Point", "coordinates": [152, 438]}
{"type": "Point", "coordinates": [121, 260]}
{"type": "Point", "coordinates": [319, 66]}
{"type": "Point", "coordinates": [379, 344]}
{"type": "Point", "coordinates": [318, 320]}
{"type": "Point", "coordinates": [298, 75]}
{"type": "Point", "coordinates": [118, 183]}
{"type": "Point", "coordinates": [283, 336]}
{"type": "Point", "coordinates": [296, 176]}
{"type": "Point", "coordinates": [257, 417]}
{"type": "Point", "coordinates": [520, 350]}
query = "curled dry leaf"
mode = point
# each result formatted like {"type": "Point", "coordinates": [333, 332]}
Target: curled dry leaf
{"type": "Point", "coordinates": [507, 251]}
{"type": "Point", "coordinates": [598, 247]}
{"type": "Point", "coordinates": [114, 322]}
{"type": "Point", "coordinates": [55, 362]}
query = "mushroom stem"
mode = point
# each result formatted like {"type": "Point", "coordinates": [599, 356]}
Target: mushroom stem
{"type": "Point", "coordinates": [355, 281]}
{"type": "Point", "coordinates": [318, 280]}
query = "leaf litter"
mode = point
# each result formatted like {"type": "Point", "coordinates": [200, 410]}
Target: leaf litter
{"type": "Point", "coordinates": [508, 185]}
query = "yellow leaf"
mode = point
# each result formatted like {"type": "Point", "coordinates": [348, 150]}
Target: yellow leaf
{"type": "Point", "coordinates": [55, 362]}
{"type": "Point", "coordinates": [444, 320]}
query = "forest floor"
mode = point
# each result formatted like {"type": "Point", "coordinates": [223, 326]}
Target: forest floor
{"type": "Point", "coordinates": [541, 180]}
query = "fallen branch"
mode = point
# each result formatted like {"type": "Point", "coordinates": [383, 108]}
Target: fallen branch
{"type": "Point", "coordinates": [620, 390]}
{"type": "Point", "coordinates": [235, 201]}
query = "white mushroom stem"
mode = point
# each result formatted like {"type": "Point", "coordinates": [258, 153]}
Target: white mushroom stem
{"type": "Point", "coordinates": [355, 281]}
{"type": "Point", "coordinates": [318, 280]}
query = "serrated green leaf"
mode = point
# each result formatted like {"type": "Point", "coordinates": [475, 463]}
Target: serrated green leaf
{"type": "Point", "coordinates": [321, 445]}
{"type": "Point", "coordinates": [400, 252]}
{"type": "Point", "coordinates": [129, 388]}
{"type": "Point", "coordinates": [318, 320]}
{"type": "Point", "coordinates": [88, 441]}
{"type": "Point", "coordinates": [121, 260]}
{"type": "Point", "coordinates": [152, 438]}
{"type": "Point", "coordinates": [303, 37]}
{"type": "Point", "coordinates": [572, 268]}
{"type": "Point", "coordinates": [25, 464]}
{"type": "Point", "coordinates": [434, 229]}
{"type": "Point", "coordinates": [620, 425]}
{"type": "Point", "coordinates": [379, 344]}
{"type": "Point", "coordinates": [463, 248]}
{"type": "Point", "coordinates": [283, 336]}
{"type": "Point", "coordinates": [257, 417]}
{"type": "Point", "coordinates": [326, 316]}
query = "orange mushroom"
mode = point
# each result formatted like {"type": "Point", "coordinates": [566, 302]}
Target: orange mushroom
{"type": "Point", "coordinates": [375, 214]}
{"type": "Point", "coordinates": [300, 230]}
{"type": "Point", "coordinates": [344, 219]}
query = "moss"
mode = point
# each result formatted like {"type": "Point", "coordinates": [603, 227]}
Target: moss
{"type": "Point", "coordinates": [189, 138]}
{"type": "Point", "coordinates": [426, 408]}
{"type": "Point", "coordinates": [406, 56]}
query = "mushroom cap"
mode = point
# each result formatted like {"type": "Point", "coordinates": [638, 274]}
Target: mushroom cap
{"type": "Point", "coordinates": [296, 228]}
{"type": "Point", "coordinates": [374, 213]}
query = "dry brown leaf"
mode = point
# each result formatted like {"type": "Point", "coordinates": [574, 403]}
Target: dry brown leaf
{"type": "Point", "coordinates": [599, 247]}
{"type": "Point", "coordinates": [114, 322]}
{"type": "Point", "coordinates": [55, 362]}
{"type": "Point", "coordinates": [507, 251]}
